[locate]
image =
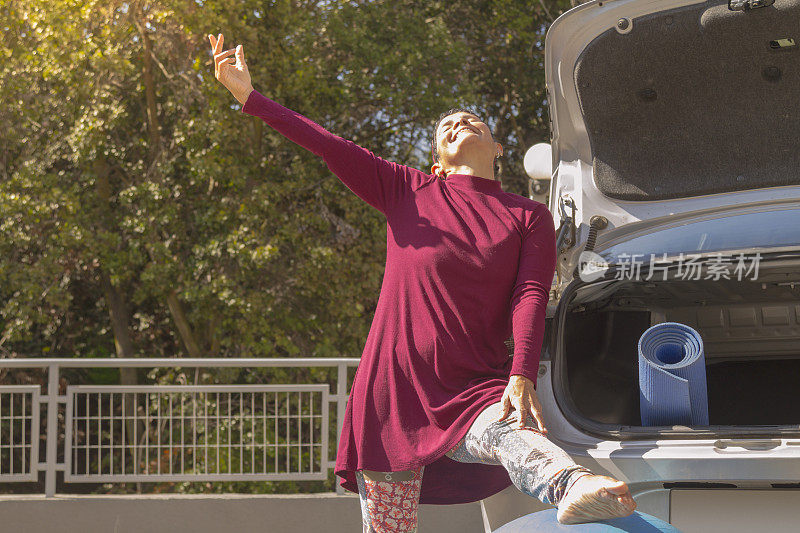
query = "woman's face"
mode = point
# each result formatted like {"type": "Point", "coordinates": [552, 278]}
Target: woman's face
{"type": "Point", "coordinates": [462, 138]}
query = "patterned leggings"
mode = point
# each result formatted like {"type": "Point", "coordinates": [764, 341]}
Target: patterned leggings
{"type": "Point", "coordinates": [536, 466]}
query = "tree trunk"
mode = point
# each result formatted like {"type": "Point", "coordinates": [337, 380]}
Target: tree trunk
{"type": "Point", "coordinates": [150, 95]}
{"type": "Point", "coordinates": [185, 330]}
{"type": "Point", "coordinates": [117, 310]}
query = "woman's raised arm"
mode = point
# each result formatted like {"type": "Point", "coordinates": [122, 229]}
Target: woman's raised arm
{"type": "Point", "coordinates": [378, 182]}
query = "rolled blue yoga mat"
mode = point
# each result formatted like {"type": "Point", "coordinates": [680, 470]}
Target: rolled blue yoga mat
{"type": "Point", "coordinates": [672, 376]}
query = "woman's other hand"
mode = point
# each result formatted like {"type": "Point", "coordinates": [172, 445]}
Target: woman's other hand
{"type": "Point", "coordinates": [231, 72]}
{"type": "Point", "coordinates": [520, 395]}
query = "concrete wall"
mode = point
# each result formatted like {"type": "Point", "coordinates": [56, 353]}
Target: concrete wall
{"type": "Point", "coordinates": [291, 513]}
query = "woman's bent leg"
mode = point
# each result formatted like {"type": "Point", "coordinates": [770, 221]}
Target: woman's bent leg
{"type": "Point", "coordinates": [541, 469]}
{"type": "Point", "coordinates": [389, 500]}
{"type": "Point", "coordinates": [535, 465]}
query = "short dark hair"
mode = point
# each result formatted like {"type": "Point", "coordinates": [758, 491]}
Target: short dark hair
{"type": "Point", "coordinates": [434, 147]}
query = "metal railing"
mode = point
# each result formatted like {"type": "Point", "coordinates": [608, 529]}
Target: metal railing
{"type": "Point", "coordinates": [116, 433]}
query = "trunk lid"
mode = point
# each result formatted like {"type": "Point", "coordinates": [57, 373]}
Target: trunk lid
{"type": "Point", "coordinates": [674, 122]}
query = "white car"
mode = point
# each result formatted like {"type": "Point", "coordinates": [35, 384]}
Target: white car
{"type": "Point", "coordinates": [676, 190]}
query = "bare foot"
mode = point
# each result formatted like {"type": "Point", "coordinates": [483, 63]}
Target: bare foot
{"type": "Point", "coordinates": [594, 498]}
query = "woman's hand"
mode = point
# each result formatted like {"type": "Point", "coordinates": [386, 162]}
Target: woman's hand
{"type": "Point", "coordinates": [521, 395]}
{"type": "Point", "coordinates": [233, 74]}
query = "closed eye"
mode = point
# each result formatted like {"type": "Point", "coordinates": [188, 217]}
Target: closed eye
{"type": "Point", "coordinates": [449, 124]}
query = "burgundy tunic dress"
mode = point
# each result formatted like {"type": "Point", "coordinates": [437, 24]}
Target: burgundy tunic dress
{"type": "Point", "coordinates": [467, 265]}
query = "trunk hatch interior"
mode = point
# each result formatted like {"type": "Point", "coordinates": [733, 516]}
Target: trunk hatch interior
{"type": "Point", "coordinates": [751, 337]}
{"type": "Point", "coordinates": [693, 101]}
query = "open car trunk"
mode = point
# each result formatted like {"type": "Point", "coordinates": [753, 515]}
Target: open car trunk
{"type": "Point", "coordinates": [751, 336]}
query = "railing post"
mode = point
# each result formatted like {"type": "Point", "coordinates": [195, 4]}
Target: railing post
{"type": "Point", "coordinates": [52, 431]}
{"type": "Point", "coordinates": [341, 404]}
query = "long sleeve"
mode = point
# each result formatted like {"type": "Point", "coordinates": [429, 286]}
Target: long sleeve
{"type": "Point", "coordinates": [378, 182]}
{"type": "Point", "coordinates": [537, 264]}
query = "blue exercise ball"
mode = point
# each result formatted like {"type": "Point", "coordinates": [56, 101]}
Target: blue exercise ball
{"type": "Point", "coordinates": [546, 521]}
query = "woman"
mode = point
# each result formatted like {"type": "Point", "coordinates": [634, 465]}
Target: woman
{"type": "Point", "coordinates": [467, 265]}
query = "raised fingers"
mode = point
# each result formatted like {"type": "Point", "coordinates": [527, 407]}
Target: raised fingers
{"type": "Point", "coordinates": [216, 43]}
